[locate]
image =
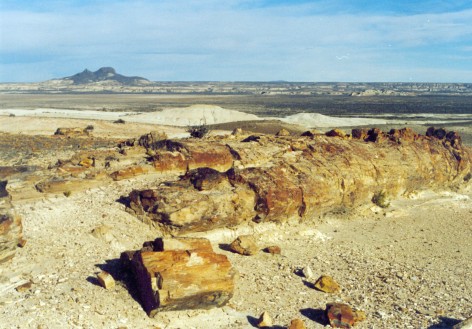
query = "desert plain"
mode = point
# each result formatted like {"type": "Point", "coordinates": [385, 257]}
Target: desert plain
{"type": "Point", "coordinates": [407, 265]}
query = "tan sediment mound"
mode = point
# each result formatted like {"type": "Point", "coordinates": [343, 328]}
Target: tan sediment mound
{"type": "Point", "coordinates": [192, 115]}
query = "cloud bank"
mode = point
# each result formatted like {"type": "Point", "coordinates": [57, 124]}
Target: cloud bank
{"type": "Point", "coordinates": [237, 40]}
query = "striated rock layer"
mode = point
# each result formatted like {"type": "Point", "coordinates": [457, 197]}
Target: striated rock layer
{"type": "Point", "coordinates": [281, 178]}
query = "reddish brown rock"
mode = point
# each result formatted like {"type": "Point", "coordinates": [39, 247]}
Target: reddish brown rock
{"type": "Point", "coordinates": [215, 156]}
{"type": "Point", "coordinates": [165, 161]}
{"type": "Point", "coordinates": [279, 196]}
{"type": "Point", "coordinates": [343, 316]}
{"type": "Point", "coordinates": [274, 250]}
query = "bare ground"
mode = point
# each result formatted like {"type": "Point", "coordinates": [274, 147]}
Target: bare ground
{"type": "Point", "coordinates": [407, 266]}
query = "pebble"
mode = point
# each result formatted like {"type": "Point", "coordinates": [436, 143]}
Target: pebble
{"type": "Point", "coordinates": [327, 284]}
{"type": "Point", "coordinates": [307, 272]}
{"type": "Point", "coordinates": [296, 324]}
{"type": "Point", "coordinates": [244, 245]}
{"type": "Point", "coordinates": [106, 280]}
{"type": "Point", "coordinates": [274, 250]}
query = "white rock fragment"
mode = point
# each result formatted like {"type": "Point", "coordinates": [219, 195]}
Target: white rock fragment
{"type": "Point", "coordinates": [307, 272]}
{"type": "Point", "coordinates": [106, 280]}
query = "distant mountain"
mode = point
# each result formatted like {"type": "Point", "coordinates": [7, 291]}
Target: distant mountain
{"type": "Point", "coordinates": [105, 74]}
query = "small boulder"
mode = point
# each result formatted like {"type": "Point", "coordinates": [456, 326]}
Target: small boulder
{"type": "Point", "coordinates": [264, 321]}
{"type": "Point", "coordinates": [327, 284]}
{"type": "Point", "coordinates": [244, 245]}
{"type": "Point", "coordinates": [341, 315]}
{"type": "Point", "coordinates": [297, 324]}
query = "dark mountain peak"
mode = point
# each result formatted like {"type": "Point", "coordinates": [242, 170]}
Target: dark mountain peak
{"type": "Point", "coordinates": [105, 74]}
{"type": "Point", "coordinates": [106, 71]}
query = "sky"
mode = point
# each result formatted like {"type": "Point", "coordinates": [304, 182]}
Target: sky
{"type": "Point", "coordinates": [239, 40]}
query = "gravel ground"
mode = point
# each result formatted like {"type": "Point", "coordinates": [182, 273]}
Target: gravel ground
{"type": "Point", "coordinates": [407, 266]}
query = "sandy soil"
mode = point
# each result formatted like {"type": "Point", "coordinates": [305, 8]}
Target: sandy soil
{"type": "Point", "coordinates": [407, 266]}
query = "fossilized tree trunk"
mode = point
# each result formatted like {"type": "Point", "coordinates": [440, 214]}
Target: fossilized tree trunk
{"type": "Point", "coordinates": [176, 274]}
{"type": "Point", "coordinates": [282, 178]}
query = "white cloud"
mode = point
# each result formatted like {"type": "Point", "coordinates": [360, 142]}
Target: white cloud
{"type": "Point", "coordinates": [210, 39]}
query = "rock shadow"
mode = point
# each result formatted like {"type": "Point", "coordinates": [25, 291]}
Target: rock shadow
{"type": "Point", "coordinates": [316, 315]}
{"type": "Point", "coordinates": [445, 323]}
{"type": "Point", "coordinates": [122, 275]}
{"type": "Point", "coordinates": [225, 247]}
{"type": "Point", "coordinates": [125, 200]}
{"type": "Point", "coordinates": [309, 284]}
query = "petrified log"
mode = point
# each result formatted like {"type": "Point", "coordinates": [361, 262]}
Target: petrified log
{"type": "Point", "coordinates": [272, 180]}
{"type": "Point", "coordinates": [188, 276]}
{"type": "Point", "coordinates": [11, 229]}
{"type": "Point", "coordinates": [71, 132]}
{"type": "Point", "coordinates": [184, 208]}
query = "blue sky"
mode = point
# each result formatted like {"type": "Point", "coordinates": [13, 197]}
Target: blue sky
{"type": "Point", "coordinates": [239, 40]}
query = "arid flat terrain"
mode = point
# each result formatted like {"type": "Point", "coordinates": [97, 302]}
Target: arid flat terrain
{"type": "Point", "coordinates": [406, 266]}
